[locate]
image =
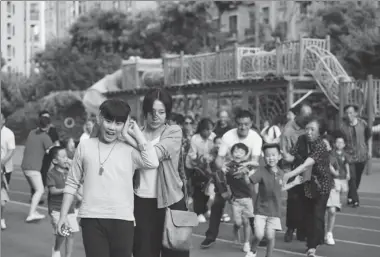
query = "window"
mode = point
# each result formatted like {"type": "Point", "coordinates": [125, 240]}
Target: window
{"type": "Point", "coordinates": [34, 12]}
{"type": "Point", "coordinates": [9, 51]}
{"type": "Point", "coordinates": [9, 7]}
{"type": "Point", "coordinates": [9, 29]}
{"type": "Point", "coordinates": [13, 51]}
{"type": "Point", "coordinates": [13, 30]}
{"type": "Point", "coordinates": [34, 33]}
{"type": "Point", "coordinates": [233, 23]}
{"type": "Point", "coordinates": [266, 15]}
{"type": "Point", "coordinates": [13, 8]}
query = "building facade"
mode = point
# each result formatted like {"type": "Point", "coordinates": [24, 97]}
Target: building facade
{"type": "Point", "coordinates": [59, 15]}
{"type": "Point", "coordinates": [22, 34]}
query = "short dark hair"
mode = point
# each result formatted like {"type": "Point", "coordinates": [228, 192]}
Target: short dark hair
{"type": "Point", "coordinates": [44, 122]}
{"type": "Point", "coordinates": [203, 124]}
{"type": "Point", "coordinates": [355, 107]}
{"type": "Point", "coordinates": [240, 146]}
{"type": "Point", "coordinates": [157, 94]}
{"type": "Point", "coordinates": [115, 110]}
{"type": "Point", "coordinates": [43, 113]}
{"type": "Point", "coordinates": [321, 123]}
{"type": "Point", "coordinates": [271, 145]}
{"type": "Point", "coordinates": [241, 114]}
{"type": "Point", "coordinates": [54, 151]}
{"type": "Point", "coordinates": [177, 118]}
{"type": "Point", "coordinates": [338, 135]}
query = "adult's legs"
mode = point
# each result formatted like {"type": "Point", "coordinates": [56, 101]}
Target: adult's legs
{"type": "Point", "coordinates": [168, 252]}
{"type": "Point", "coordinates": [95, 240]}
{"type": "Point", "coordinates": [148, 228]}
{"type": "Point", "coordinates": [317, 210]}
{"type": "Point", "coordinates": [216, 214]}
{"type": "Point", "coordinates": [359, 169]}
{"type": "Point", "coordinates": [200, 200]}
{"type": "Point", "coordinates": [120, 234]}
{"type": "Point", "coordinates": [8, 176]}
{"type": "Point", "coordinates": [294, 213]}
{"type": "Point", "coordinates": [34, 177]}
{"type": "Point", "coordinates": [352, 195]}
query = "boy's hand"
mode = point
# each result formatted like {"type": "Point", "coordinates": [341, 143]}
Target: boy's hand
{"type": "Point", "coordinates": [62, 223]}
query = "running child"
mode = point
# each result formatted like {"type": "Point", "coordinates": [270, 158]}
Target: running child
{"type": "Point", "coordinates": [241, 201]}
{"type": "Point", "coordinates": [340, 170]}
{"type": "Point", "coordinates": [268, 203]}
{"type": "Point", "coordinates": [56, 178]}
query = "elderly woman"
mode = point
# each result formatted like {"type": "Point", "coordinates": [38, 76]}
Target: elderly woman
{"type": "Point", "coordinates": [311, 148]}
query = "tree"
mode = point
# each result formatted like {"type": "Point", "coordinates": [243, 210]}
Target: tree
{"type": "Point", "coordinates": [354, 34]}
{"type": "Point", "coordinates": [11, 92]}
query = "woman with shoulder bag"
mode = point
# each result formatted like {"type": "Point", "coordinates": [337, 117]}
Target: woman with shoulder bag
{"type": "Point", "coordinates": [160, 204]}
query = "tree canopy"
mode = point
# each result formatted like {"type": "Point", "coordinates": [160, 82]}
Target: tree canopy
{"type": "Point", "coordinates": [355, 37]}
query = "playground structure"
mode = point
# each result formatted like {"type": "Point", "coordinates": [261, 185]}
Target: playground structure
{"type": "Point", "coordinates": [268, 83]}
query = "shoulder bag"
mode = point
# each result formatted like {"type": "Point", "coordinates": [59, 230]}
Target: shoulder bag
{"type": "Point", "coordinates": [178, 225]}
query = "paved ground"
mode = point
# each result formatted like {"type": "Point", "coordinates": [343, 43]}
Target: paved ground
{"type": "Point", "coordinates": [357, 231]}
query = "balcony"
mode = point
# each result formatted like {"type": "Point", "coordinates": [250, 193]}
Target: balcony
{"type": "Point", "coordinates": [34, 15]}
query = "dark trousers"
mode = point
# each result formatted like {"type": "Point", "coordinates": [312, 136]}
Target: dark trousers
{"type": "Point", "coordinates": [107, 237]}
{"type": "Point", "coordinates": [356, 172]}
{"type": "Point", "coordinates": [315, 210]}
{"type": "Point", "coordinates": [295, 210]}
{"type": "Point", "coordinates": [149, 229]}
{"type": "Point", "coordinates": [216, 214]}
{"type": "Point", "coordinates": [199, 200]}
{"type": "Point", "coordinates": [8, 177]}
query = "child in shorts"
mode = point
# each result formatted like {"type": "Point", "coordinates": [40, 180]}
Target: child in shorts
{"type": "Point", "coordinates": [340, 170]}
{"type": "Point", "coordinates": [56, 178]}
{"type": "Point", "coordinates": [4, 198]}
{"type": "Point", "coordinates": [241, 201]}
{"type": "Point", "coordinates": [268, 202]}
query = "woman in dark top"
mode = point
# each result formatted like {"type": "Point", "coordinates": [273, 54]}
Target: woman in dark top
{"type": "Point", "coordinates": [311, 153]}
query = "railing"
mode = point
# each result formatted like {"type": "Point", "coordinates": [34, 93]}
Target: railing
{"type": "Point", "coordinates": [239, 63]}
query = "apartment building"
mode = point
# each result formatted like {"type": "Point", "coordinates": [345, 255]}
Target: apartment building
{"type": "Point", "coordinates": [59, 15]}
{"type": "Point", "coordinates": [22, 34]}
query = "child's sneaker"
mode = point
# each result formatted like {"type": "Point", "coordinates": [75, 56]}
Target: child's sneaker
{"type": "Point", "coordinates": [246, 247]}
{"type": "Point", "coordinates": [250, 254]}
{"type": "Point", "coordinates": [201, 218]}
{"type": "Point", "coordinates": [225, 218]}
{"type": "Point", "coordinates": [34, 217]}
{"type": "Point", "coordinates": [329, 240]}
{"type": "Point", "coordinates": [311, 252]}
{"type": "Point", "coordinates": [3, 225]}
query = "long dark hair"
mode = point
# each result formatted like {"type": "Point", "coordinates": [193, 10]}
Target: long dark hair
{"type": "Point", "coordinates": [203, 124]}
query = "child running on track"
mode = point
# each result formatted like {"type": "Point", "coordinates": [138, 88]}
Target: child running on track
{"type": "Point", "coordinates": [56, 182]}
{"type": "Point", "coordinates": [242, 204]}
{"type": "Point", "coordinates": [340, 170]}
{"type": "Point", "coordinates": [268, 203]}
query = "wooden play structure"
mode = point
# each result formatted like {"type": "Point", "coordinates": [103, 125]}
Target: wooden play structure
{"type": "Point", "coordinates": [266, 82]}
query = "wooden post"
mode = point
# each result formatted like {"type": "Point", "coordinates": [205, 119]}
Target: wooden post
{"type": "Point", "coordinates": [371, 117]}
{"type": "Point", "coordinates": [182, 69]}
{"type": "Point", "coordinates": [290, 95]}
{"type": "Point", "coordinates": [166, 70]}
{"type": "Point", "coordinates": [328, 43]}
{"type": "Point", "coordinates": [204, 103]}
{"type": "Point", "coordinates": [217, 64]}
{"type": "Point", "coordinates": [137, 77]}
{"type": "Point", "coordinates": [237, 61]}
{"type": "Point", "coordinates": [245, 99]}
{"type": "Point", "coordinates": [278, 57]}
{"type": "Point", "coordinates": [342, 101]}
{"type": "Point", "coordinates": [302, 52]}
{"type": "Point", "coordinates": [257, 110]}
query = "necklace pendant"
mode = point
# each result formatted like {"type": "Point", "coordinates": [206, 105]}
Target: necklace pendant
{"type": "Point", "coordinates": [101, 170]}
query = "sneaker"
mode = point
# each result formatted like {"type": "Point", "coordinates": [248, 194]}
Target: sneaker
{"type": "Point", "coordinates": [250, 254]}
{"type": "Point", "coordinates": [349, 201]}
{"type": "Point", "coordinates": [246, 247]}
{"type": "Point", "coordinates": [225, 218]}
{"type": "Point", "coordinates": [311, 252]}
{"type": "Point", "coordinates": [208, 214]}
{"type": "Point", "coordinates": [56, 254]}
{"type": "Point", "coordinates": [329, 240]}
{"type": "Point", "coordinates": [201, 218]}
{"type": "Point", "coordinates": [35, 217]}
{"type": "Point", "coordinates": [355, 204]}
{"type": "Point", "coordinates": [288, 237]}
{"type": "Point", "coordinates": [3, 225]}
{"type": "Point", "coordinates": [207, 243]}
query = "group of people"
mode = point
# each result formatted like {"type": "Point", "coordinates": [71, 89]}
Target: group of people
{"type": "Point", "coordinates": [121, 178]}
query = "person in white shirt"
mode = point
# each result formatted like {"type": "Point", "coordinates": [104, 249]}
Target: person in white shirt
{"type": "Point", "coordinates": [242, 134]}
{"type": "Point", "coordinates": [8, 147]}
{"type": "Point", "coordinates": [87, 130]}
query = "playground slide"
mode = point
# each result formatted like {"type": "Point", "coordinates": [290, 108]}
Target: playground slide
{"type": "Point", "coordinates": [326, 70]}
